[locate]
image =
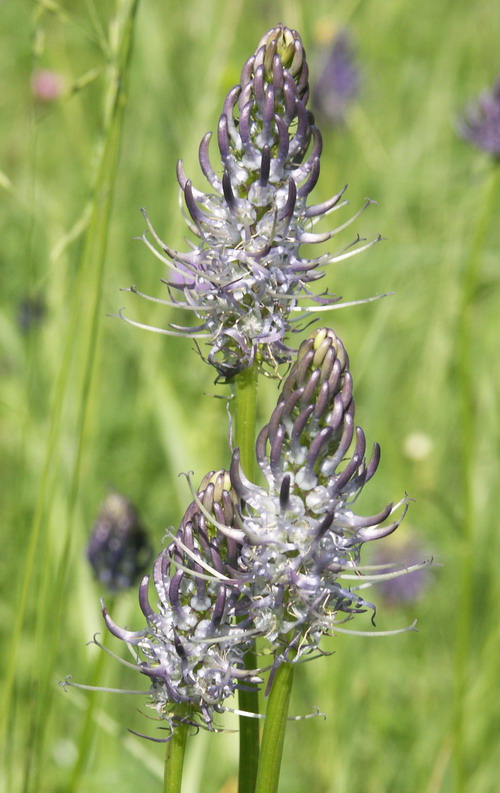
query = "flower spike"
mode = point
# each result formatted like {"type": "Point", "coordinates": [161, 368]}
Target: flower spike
{"type": "Point", "coordinates": [302, 533]}
{"type": "Point", "coordinates": [195, 640]}
{"type": "Point", "coordinates": [245, 274]}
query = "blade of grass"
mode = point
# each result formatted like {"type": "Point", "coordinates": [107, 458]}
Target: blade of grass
{"type": "Point", "coordinates": [467, 385]}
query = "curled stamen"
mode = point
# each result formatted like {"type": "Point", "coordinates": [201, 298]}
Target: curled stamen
{"type": "Point", "coordinates": [313, 309]}
{"type": "Point", "coordinates": [393, 632]}
{"type": "Point", "coordinates": [152, 328]}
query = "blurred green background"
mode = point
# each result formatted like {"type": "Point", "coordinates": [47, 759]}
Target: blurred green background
{"type": "Point", "coordinates": [89, 403]}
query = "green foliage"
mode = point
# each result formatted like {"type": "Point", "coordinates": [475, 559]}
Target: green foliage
{"type": "Point", "coordinates": [90, 403]}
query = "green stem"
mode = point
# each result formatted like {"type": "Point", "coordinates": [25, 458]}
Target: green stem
{"type": "Point", "coordinates": [174, 760]}
{"type": "Point", "coordinates": [245, 401]}
{"type": "Point", "coordinates": [273, 736]}
{"type": "Point", "coordinates": [467, 416]}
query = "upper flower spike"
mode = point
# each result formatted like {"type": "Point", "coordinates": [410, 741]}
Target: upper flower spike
{"type": "Point", "coordinates": [244, 277]}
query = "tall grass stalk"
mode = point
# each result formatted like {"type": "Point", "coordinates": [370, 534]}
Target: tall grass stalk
{"type": "Point", "coordinates": [87, 731]}
{"type": "Point", "coordinates": [89, 316]}
{"type": "Point", "coordinates": [467, 378]}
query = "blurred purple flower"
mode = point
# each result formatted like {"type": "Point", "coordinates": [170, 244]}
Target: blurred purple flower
{"type": "Point", "coordinates": [480, 124]}
{"type": "Point", "coordinates": [406, 587]}
{"type": "Point", "coordinates": [338, 83]}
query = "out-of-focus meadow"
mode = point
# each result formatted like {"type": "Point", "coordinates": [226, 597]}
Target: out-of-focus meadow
{"type": "Point", "coordinates": [89, 403]}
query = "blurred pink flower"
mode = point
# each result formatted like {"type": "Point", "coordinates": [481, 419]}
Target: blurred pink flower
{"type": "Point", "coordinates": [46, 85]}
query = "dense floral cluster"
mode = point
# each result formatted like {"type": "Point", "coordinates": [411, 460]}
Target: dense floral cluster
{"type": "Point", "coordinates": [276, 562]}
{"type": "Point", "coordinates": [302, 536]}
{"type": "Point", "coordinates": [245, 277]}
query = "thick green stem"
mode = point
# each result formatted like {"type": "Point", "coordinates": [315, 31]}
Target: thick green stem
{"type": "Point", "coordinates": [245, 401]}
{"type": "Point", "coordinates": [273, 736]}
{"type": "Point", "coordinates": [466, 379]}
{"type": "Point", "coordinates": [249, 733]}
{"type": "Point", "coordinates": [174, 760]}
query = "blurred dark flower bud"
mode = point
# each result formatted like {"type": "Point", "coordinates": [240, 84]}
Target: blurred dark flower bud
{"type": "Point", "coordinates": [30, 312]}
{"type": "Point", "coordinates": [119, 550]}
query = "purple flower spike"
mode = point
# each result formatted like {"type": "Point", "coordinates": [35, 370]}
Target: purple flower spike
{"type": "Point", "coordinates": [245, 278]}
{"type": "Point", "coordinates": [480, 124]}
{"type": "Point", "coordinates": [279, 562]}
{"type": "Point", "coordinates": [193, 646]}
{"type": "Point", "coordinates": [299, 563]}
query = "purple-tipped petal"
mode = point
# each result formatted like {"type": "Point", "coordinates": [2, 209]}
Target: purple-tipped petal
{"type": "Point", "coordinates": [283, 140]}
{"type": "Point", "coordinates": [322, 209]}
{"type": "Point", "coordinates": [131, 637]}
{"type": "Point", "coordinates": [206, 165]}
{"type": "Point", "coordinates": [259, 86]}
{"type": "Point", "coordinates": [303, 191]}
{"type": "Point", "coordinates": [275, 455]}
{"type": "Point", "coordinates": [223, 139]}
{"type": "Point", "coordinates": [284, 492]}
{"type": "Point", "coordinates": [278, 73]}
{"type": "Point", "coordinates": [265, 165]}
{"type": "Point", "coordinates": [288, 208]}
{"type": "Point", "coordinates": [298, 428]}
{"type": "Point", "coordinates": [228, 191]}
